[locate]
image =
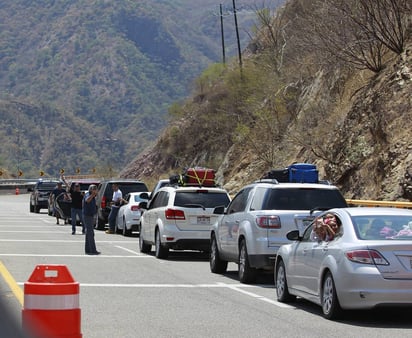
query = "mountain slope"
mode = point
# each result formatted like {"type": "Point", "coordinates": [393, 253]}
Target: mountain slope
{"type": "Point", "coordinates": [300, 103]}
{"type": "Point", "coordinates": [115, 65]}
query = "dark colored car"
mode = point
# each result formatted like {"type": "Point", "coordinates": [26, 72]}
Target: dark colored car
{"type": "Point", "coordinates": [105, 195]}
{"type": "Point", "coordinates": [39, 196]}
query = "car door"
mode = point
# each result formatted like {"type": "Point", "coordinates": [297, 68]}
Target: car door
{"type": "Point", "coordinates": [229, 226]}
{"type": "Point", "coordinates": [305, 261]}
{"type": "Point", "coordinates": [156, 212]}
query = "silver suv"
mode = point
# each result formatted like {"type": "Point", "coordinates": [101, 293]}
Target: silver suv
{"type": "Point", "coordinates": [256, 222]}
{"type": "Point", "coordinates": [180, 218]}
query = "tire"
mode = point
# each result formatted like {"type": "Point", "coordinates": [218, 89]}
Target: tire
{"type": "Point", "coordinates": [126, 232]}
{"type": "Point", "coordinates": [161, 252]}
{"type": "Point", "coordinates": [247, 274]}
{"type": "Point", "coordinates": [143, 246]}
{"type": "Point", "coordinates": [217, 265]}
{"type": "Point", "coordinates": [36, 209]}
{"type": "Point", "coordinates": [31, 208]}
{"type": "Point", "coordinates": [329, 300]}
{"type": "Point", "coordinates": [282, 290]}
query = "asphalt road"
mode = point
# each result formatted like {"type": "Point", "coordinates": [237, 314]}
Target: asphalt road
{"type": "Point", "coordinates": [124, 293]}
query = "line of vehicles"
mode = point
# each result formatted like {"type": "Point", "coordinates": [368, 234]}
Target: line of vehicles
{"type": "Point", "coordinates": [269, 226]}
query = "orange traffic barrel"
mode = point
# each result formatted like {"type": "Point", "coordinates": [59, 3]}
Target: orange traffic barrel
{"type": "Point", "coordinates": [51, 303]}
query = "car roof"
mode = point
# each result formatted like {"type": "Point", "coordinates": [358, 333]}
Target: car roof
{"type": "Point", "coordinates": [121, 180]}
{"type": "Point", "coordinates": [276, 185]}
{"type": "Point", "coordinates": [365, 211]}
{"type": "Point", "coordinates": [191, 188]}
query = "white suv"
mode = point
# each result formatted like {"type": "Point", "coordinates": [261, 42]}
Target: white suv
{"type": "Point", "coordinates": [180, 218]}
{"type": "Point", "coordinates": [257, 220]}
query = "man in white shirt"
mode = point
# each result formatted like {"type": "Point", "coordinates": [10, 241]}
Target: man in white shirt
{"type": "Point", "coordinates": [116, 202]}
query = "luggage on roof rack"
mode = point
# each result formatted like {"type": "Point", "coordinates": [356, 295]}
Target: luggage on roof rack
{"type": "Point", "coordinates": [303, 173]}
{"type": "Point", "coordinates": [296, 173]}
{"type": "Point", "coordinates": [195, 176]}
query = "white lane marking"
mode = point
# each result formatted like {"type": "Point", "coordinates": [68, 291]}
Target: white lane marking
{"type": "Point", "coordinates": [63, 241]}
{"type": "Point", "coordinates": [128, 250]}
{"type": "Point", "coordinates": [254, 295]}
{"type": "Point", "coordinates": [80, 255]}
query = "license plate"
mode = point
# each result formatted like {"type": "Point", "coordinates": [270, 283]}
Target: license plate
{"type": "Point", "coordinates": [203, 220]}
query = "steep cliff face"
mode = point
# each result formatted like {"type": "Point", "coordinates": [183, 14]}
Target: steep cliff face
{"type": "Point", "coordinates": [355, 125]}
{"type": "Point", "coordinates": [362, 142]}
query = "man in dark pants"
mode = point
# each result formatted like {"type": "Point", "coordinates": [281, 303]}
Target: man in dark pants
{"type": "Point", "coordinates": [76, 207]}
{"type": "Point", "coordinates": [57, 192]}
{"type": "Point", "coordinates": [116, 202]}
{"type": "Point", "coordinates": [89, 215]}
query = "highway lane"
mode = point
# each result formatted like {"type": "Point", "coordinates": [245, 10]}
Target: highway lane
{"type": "Point", "coordinates": [124, 293]}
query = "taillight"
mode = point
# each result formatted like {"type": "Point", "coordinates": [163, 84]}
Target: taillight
{"type": "Point", "coordinates": [134, 208]}
{"type": "Point", "coordinates": [103, 202]}
{"type": "Point", "coordinates": [178, 215]}
{"type": "Point", "coordinates": [268, 222]}
{"type": "Point", "coordinates": [366, 257]}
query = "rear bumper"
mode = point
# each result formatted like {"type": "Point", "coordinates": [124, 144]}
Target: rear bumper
{"type": "Point", "coordinates": [174, 238]}
{"type": "Point", "coordinates": [189, 244]}
{"type": "Point", "coordinates": [365, 291]}
{"type": "Point", "coordinates": [266, 262]}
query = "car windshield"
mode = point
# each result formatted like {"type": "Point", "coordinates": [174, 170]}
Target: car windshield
{"type": "Point", "coordinates": [302, 199]}
{"type": "Point", "coordinates": [126, 188]}
{"type": "Point", "coordinates": [204, 198]}
{"type": "Point", "coordinates": [383, 227]}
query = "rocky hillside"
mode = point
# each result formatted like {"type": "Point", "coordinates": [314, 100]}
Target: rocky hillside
{"type": "Point", "coordinates": [307, 104]}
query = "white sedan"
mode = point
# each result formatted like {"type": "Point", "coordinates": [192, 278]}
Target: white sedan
{"type": "Point", "coordinates": [128, 217]}
{"type": "Point", "coordinates": [367, 263]}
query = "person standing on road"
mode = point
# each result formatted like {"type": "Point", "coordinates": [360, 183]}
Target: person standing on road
{"type": "Point", "coordinates": [56, 192]}
{"type": "Point", "coordinates": [116, 202]}
{"type": "Point", "coordinates": [89, 215]}
{"type": "Point", "coordinates": [76, 208]}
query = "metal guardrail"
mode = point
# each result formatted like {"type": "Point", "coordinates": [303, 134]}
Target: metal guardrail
{"type": "Point", "coordinates": [371, 203]}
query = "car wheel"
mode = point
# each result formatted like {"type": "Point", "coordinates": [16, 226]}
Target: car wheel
{"type": "Point", "coordinates": [161, 250]}
{"type": "Point", "coordinates": [247, 274]}
{"type": "Point", "coordinates": [282, 290]}
{"type": "Point", "coordinates": [330, 304]}
{"type": "Point", "coordinates": [217, 265]}
{"type": "Point", "coordinates": [126, 232]}
{"type": "Point", "coordinates": [31, 208]}
{"type": "Point", "coordinates": [143, 246]}
{"type": "Point", "coordinates": [36, 209]}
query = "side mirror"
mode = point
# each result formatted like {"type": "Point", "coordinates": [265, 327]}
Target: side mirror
{"type": "Point", "coordinates": [293, 235]}
{"type": "Point", "coordinates": [143, 205]}
{"type": "Point", "coordinates": [220, 210]}
{"type": "Point", "coordinates": [144, 195]}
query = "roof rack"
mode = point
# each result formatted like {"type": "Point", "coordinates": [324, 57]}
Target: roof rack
{"type": "Point", "coordinates": [267, 180]}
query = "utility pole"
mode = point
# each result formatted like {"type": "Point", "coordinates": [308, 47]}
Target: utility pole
{"type": "Point", "coordinates": [237, 36]}
{"type": "Point", "coordinates": [223, 35]}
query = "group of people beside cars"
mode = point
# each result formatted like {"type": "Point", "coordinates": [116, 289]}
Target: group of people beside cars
{"type": "Point", "coordinates": [83, 207]}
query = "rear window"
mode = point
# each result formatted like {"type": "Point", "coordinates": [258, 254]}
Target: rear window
{"type": "Point", "coordinates": [46, 186]}
{"type": "Point", "coordinates": [126, 188]}
{"type": "Point", "coordinates": [300, 199]}
{"type": "Point", "coordinates": [383, 227]}
{"type": "Point", "coordinates": [200, 198]}
{"type": "Point", "coordinates": [137, 198]}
